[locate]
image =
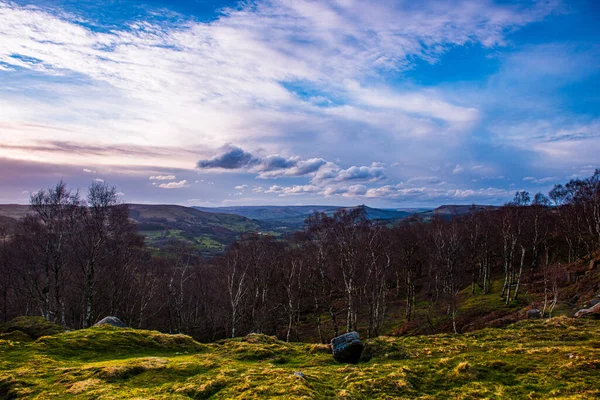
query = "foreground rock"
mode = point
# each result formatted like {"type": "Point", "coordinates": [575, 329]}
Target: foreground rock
{"type": "Point", "coordinates": [112, 321]}
{"type": "Point", "coordinates": [593, 311]}
{"type": "Point", "coordinates": [347, 348]}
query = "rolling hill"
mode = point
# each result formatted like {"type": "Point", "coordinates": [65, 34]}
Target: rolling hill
{"type": "Point", "coordinates": [451, 210]}
{"type": "Point", "coordinates": [160, 224]}
{"type": "Point", "coordinates": [10, 214]}
{"type": "Point", "coordinates": [14, 211]}
{"type": "Point", "coordinates": [208, 230]}
{"type": "Point", "coordinates": [292, 217]}
{"type": "Point", "coordinates": [213, 228]}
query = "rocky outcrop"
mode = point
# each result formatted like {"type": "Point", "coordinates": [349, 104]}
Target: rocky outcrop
{"type": "Point", "coordinates": [593, 311]}
{"type": "Point", "coordinates": [112, 321]}
{"type": "Point", "coordinates": [347, 348]}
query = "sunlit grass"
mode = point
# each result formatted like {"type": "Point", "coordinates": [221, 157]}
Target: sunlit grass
{"type": "Point", "coordinates": [558, 358]}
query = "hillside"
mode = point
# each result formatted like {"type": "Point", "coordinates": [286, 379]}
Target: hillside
{"type": "Point", "coordinates": [10, 214]}
{"type": "Point", "coordinates": [557, 358]}
{"type": "Point", "coordinates": [210, 231]}
{"type": "Point", "coordinates": [451, 210]}
{"type": "Point", "coordinates": [288, 218]}
{"type": "Point", "coordinates": [14, 211]}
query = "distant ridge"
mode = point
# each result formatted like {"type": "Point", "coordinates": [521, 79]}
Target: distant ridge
{"type": "Point", "coordinates": [211, 231]}
{"type": "Point", "coordinates": [292, 217]}
{"type": "Point", "coordinates": [451, 210]}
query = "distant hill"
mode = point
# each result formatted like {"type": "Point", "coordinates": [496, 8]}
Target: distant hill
{"type": "Point", "coordinates": [449, 211]}
{"type": "Point", "coordinates": [292, 217]}
{"type": "Point", "coordinates": [10, 214]}
{"type": "Point", "coordinates": [213, 228]}
{"type": "Point", "coordinates": [210, 231]}
{"type": "Point", "coordinates": [161, 224]}
{"type": "Point", "coordinates": [271, 213]}
{"type": "Point", "coordinates": [14, 211]}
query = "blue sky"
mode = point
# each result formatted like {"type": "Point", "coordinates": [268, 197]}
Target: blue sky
{"type": "Point", "coordinates": [390, 104]}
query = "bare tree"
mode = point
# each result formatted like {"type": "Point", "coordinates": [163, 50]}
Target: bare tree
{"type": "Point", "coordinates": [55, 209]}
{"type": "Point", "coordinates": [236, 275]}
{"type": "Point", "coordinates": [91, 239]}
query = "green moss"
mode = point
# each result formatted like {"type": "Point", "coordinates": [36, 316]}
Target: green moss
{"type": "Point", "coordinates": [16, 336]}
{"type": "Point", "coordinates": [557, 358]}
{"type": "Point", "coordinates": [34, 327]}
{"type": "Point", "coordinates": [107, 341]}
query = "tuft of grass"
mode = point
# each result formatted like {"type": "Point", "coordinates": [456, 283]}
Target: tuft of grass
{"type": "Point", "coordinates": [385, 348]}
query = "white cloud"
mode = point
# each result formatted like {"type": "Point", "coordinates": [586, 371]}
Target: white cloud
{"type": "Point", "coordinates": [560, 141]}
{"type": "Point", "coordinates": [293, 190]}
{"type": "Point", "coordinates": [540, 180]}
{"type": "Point", "coordinates": [174, 185]}
{"type": "Point", "coordinates": [458, 169]}
{"type": "Point", "coordinates": [167, 94]}
{"type": "Point", "coordinates": [426, 194]}
{"type": "Point", "coordinates": [187, 84]}
{"type": "Point", "coordinates": [295, 167]}
{"type": "Point", "coordinates": [241, 187]}
{"type": "Point", "coordinates": [355, 190]}
{"type": "Point", "coordinates": [419, 103]}
{"type": "Point", "coordinates": [369, 174]}
{"type": "Point", "coordinates": [162, 178]}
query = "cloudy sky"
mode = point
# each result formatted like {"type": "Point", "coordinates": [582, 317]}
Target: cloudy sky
{"type": "Point", "coordinates": [388, 103]}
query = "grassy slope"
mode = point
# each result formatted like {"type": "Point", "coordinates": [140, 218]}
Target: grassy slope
{"type": "Point", "coordinates": [558, 358]}
{"type": "Point", "coordinates": [208, 231]}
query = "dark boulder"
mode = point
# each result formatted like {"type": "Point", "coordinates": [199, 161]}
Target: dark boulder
{"type": "Point", "coordinates": [534, 313]}
{"type": "Point", "coordinates": [347, 348]}
{"type": "Point", "coordinates": [112, 321]}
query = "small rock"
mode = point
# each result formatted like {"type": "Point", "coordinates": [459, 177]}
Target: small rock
{"type": "Point", "coordinates": [113, 321]}
{"type": "Point", "coordinates": [299, 374]}
{"type": "Point", "coordinates": [534, 313]}
{"type": "Point", "coordinates": [347, 348]}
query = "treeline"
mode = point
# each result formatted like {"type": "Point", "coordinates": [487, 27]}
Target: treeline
{"type": "Point", "coordinates": [76, 259]}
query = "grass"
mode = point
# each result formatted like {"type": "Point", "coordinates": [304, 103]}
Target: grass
{"type": "Point", "coordinates": [558, 358]}
{"type": "Point", "coordinates": [31, 327]}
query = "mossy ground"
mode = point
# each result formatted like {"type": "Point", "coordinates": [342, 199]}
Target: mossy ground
{"type": "Point", "coordinates": [558, 358]}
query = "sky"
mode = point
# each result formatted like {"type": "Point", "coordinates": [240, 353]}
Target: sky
{"type": "Point", "coordinates": [287, 102]}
